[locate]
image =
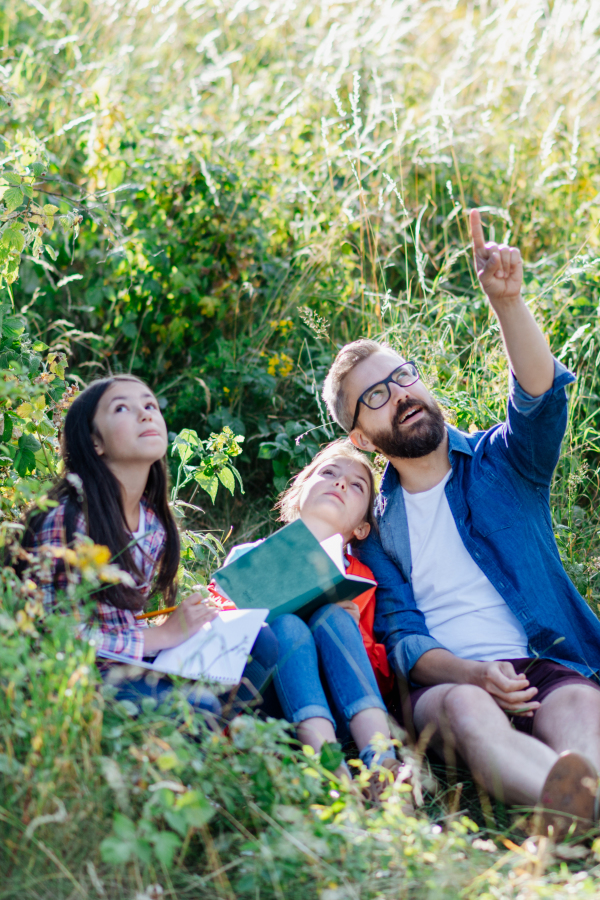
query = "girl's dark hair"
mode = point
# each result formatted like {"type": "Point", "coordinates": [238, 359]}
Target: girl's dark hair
{"type": "Point", "coordinates": [100, 500]}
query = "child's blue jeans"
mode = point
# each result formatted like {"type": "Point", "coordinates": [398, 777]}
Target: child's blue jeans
{"type": "Point", "coordinates": [255, 676]}
{"type": "Point", "coordinates": [323, 668]}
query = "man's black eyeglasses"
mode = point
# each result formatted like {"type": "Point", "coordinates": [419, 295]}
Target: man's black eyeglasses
{"type": "Point", "coordinates": [378, 394]}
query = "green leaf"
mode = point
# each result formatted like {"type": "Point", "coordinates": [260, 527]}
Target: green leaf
{"type": "Point", "coordinates": [24, 462]}
{"type": "Point", "coordinates": [38, 168]}
{"type": "Point", "coordinates": [50, 209]}
{"type": "Point", "coordinates": [123, 827]}
{"type": "Point", "coordinates": [331, 756]}
{"type": "Point", "coordinates": [165, 844]}
{"type": "Point", "coordinates": [185, 444]}
{"type": "Point", "coordinates": [27, 190]}
{"type": "Point", "coordinates": [13, 198]}
{"type": "Point", "coordinates": [29, 442]}
{"type": "Point", "coordinates": [115, 851]}
{"type": "Point", "coordinates": [39, 346]}
{"type": "Point", "coordinates": [209, 483]}
{"type": "Point", "coordinates": [268, 449]}
{"type": "Point", "coordinates": [238, 477]}
{"type": "Point", "coordinates": [50, 251]}
{"type": "Point", "coordinates": [11, 177]}
{"type": "Point", "coordinates": [195, 807]}
{"type": "Point", "coordinates": [12, 328]}
{"type": "Point", "coordinates": [143, 851]}
{"type": "Point", "coordinates": [8, 429]}
{"type": "Point", "coordinates": [227, 479]}
{"type": "Point", "coordinates": [177, 821]}
{"type": "Point", "coordinates": [12, 239]}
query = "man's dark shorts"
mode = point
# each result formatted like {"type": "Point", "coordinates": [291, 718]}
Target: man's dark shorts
{"type": "Point", "coordinates": [544, 674]}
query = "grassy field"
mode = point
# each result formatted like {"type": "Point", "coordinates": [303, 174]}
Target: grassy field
{"type": "Point", "coordinates": [215, 196]}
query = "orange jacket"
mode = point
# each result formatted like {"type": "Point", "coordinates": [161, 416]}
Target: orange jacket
{"type": "Point", "coordinates": [366, 604]}
{"type": "Point", "coordinates": [376, 652]}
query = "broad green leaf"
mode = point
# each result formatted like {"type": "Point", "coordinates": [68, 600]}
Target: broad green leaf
{"type": "Point", "coordinates": [195, 807]}
{"type": "Point", "coordinates": [39, 346]}
{"type": "Point", "coordinates": [12, 239]}
{"type": "Point", "coordinates": [209, 483]}
{"type": "Point", "coordinates": [227, 479]}
{"type": "Point", "coordinates": [24, 462]}
{"type": "Point", "coordinates": [8, 428]}
{"type": "Point", "coordinates": [123, 827]}
{"type": "Point", "coordinates": [27, 190]}
{"type": "Point", "coordinates": [13, 198]}
{"type": "Point", "coordinates": [177, 821]}
{"type": "Point", "coordinates": [24, 410]}
{"type": "Point", "coordinates": [331, 756]}
{"type": "Point", "coordinates": [11, 177]}
{"type": "Point", "coordinates": [50, 251]}
{"type": "Point", "coordinates": [29, 442]}
{"type": "Point", "coordinates": [167, 761]}
{"type": "Point", "coordinates": [185, 444]}
{"type": "Point", "coordinates": [268, 449]}
{"type": "Point", "coordinates": [50, 209]}
{"type": "Point", "coordinates": [165, 845]}
{"type": "Point", "coordinates": [115, 851]}
{"type": "Point", "coordinates": [142, 850]}
{"type": "Point", "coordinates": [38, 168]}
{"type": "Point", "coordinates": [12, 328]}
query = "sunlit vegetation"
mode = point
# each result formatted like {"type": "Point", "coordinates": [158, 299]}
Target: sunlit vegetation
{"type": "Point", "coordinates": [215, 196]}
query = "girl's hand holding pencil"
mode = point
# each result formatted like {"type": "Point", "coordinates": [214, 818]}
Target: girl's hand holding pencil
{"type": "Point", "coordinates": [184, 621]}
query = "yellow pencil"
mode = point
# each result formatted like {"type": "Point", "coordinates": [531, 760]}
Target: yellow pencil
{"type": "Point", "coordinates": [157, 612]}
{"type": "Point", "coordinates": [165, 611]}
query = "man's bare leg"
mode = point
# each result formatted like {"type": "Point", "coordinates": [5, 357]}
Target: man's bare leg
{"type": "Point", "coordinates": [569, 719]}
{"type": "Point", "coordinates": [510, 765]}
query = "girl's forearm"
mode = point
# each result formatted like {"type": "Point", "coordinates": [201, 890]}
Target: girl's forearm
{"type": "Point", "coordinates": [159, 638]}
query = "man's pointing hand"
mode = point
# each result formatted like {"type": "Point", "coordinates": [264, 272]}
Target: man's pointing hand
{"type": "Point", "coordinates": [499, 267]}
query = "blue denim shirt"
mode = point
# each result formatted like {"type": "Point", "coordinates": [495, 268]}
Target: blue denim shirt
{"type": "Point", "coordinates": [499, 495]}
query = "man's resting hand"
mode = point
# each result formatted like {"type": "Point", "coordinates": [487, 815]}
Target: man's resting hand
{"type": "Point", "coordinates": [510, 691]}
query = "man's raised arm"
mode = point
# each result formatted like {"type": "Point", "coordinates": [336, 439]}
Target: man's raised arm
{"type": "Point", "coordinates": [500, 272]}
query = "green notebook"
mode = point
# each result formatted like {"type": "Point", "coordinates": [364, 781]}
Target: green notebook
{"type": "Point", "coordinates": [290, 572]}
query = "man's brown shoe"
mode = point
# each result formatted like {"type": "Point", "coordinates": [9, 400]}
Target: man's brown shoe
{"type": "Point", "coordinates": [568, 803]}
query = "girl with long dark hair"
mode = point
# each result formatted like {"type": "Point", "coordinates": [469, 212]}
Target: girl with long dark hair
{"type": "Point", "coordinates": [115, 491]}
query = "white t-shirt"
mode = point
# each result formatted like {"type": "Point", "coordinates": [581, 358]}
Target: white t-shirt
{"type": "Point", "coordinates": [136, 550]}
{"type": "Point", "coordinates": [463, 610]}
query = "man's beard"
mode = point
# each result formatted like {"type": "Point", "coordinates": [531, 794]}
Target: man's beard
{"type": "Point", "coordinates": [414, 441]}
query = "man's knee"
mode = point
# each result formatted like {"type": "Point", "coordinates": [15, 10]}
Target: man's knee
{"type": "Point", "coordinates": [574, 702]}
{"type": "Point", "coordinates": [467, 706]}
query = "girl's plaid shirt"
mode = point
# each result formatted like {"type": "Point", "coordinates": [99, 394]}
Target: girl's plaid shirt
{"type": "Point", "coordinates": [115, 630]}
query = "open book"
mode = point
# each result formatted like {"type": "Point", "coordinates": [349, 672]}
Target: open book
{"type": "Point", "coordinates": [290, 572]}
{"type": "Point", "coordinates": [218, 652]}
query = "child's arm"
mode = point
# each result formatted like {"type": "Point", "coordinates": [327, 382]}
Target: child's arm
{"type": "Point", "coordinates": [189, 617]}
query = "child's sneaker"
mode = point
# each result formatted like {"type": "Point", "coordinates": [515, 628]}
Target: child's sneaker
{"type": "Point", "coordinates": [389, 771]}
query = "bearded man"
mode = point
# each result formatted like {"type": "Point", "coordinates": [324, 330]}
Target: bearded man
{"type": "Point", "coordinates": [500, 652]}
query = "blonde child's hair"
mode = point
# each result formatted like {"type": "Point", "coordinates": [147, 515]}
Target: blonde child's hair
{"type": "Point", "coordinates": [288, 503]}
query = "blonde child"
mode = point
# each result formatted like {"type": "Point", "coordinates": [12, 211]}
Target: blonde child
{"type": "Point", "coordinates": [326, 682]}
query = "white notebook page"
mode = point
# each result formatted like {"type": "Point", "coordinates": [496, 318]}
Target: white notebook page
{"type": "Point", "coordinates": [218, 652]}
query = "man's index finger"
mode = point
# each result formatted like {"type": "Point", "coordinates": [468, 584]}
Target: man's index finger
{"type": "Point", "coordinates": [477, 230]}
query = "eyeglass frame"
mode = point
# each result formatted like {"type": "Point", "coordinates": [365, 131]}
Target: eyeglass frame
{"type": "Point", "coordinates": [386, 382]}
